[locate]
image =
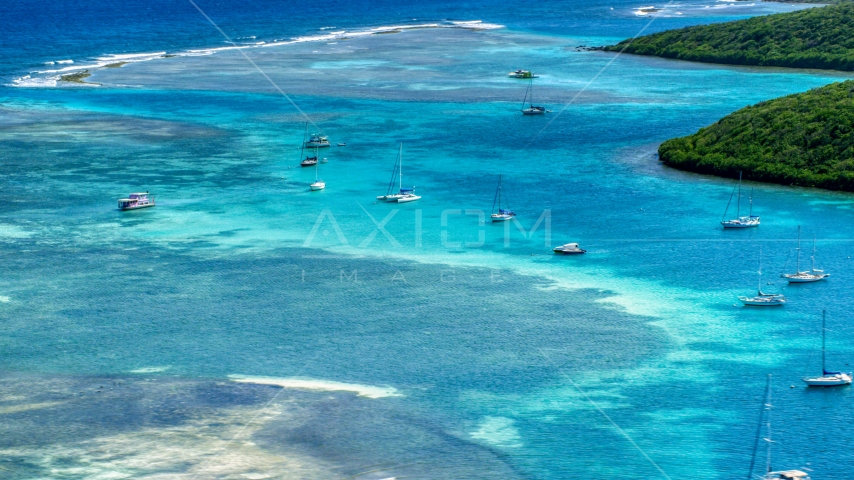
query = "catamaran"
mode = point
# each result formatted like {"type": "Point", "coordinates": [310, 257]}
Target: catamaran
{"type": "Point", "coordinates": [765, 415]}
{"type": "Point", "coordinates": [810, 276]}
{"type": "Point", "coordinates": [763, 299]}
{"type": "Point", "coordinates": [531, 110]}
{"type": "Point", "coordinates": [403, 195]}
{"type": "Point", "coordinates": [827, 379]}
{"type": "Point", "coordinates": [740, 222]}
{"type": "Point", "coordinates": [502, 215]}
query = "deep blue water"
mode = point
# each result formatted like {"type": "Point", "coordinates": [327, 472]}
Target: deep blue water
{"type": "Point", "coordinates": [125, 329]}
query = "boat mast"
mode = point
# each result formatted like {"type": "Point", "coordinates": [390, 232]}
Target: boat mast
{"type": "Point", "coordinates": [302, 147]}
{"type": "Point", "coordinates": [768, 426]}
{"type": "Point", "coordinates": [499, 193]}
{"type": "Point", "coordinates": [823, 335]}
{"type": "Point", "coordinates": [400, 167]}
{"type": "Point", "coordinates": [765, 398]}
{"type": "Point", "coordinates": [750, 212]}
{"type": "Point", "coordinates": [812, 258]}
{"type": "Point", "coordinates": [759, 282]}
{"type": "Point", "coordinates": [738, 202]}
{"type": "Point", "coordinates": [798, 269]}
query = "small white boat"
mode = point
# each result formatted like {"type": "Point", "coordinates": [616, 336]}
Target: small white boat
{"type": "Point", "coordinates": [740, 221]}
{"type": "Point", "coordinates": [403, 195]}
{"type": "Point", "coordinates": [765, 418]}
{"type": "Point", "coordinates": [813, 275]}
{"type": "Point", "coordinates": [341, 144]}
{"type": "Point", "coordinates": [569, 249]}
{"type": "Point", "coordinates": [502, 215]}
{"type": "Point", "coordinates": [763, 299]}
{"type": "Point", "coordinates": [827, 379]}
{"type": "Point", "coordinates": [317, 141]}
{"type": "Point", "coordinates": [521, 74]}
{"type": "Point", "coordinates": [136, 201]}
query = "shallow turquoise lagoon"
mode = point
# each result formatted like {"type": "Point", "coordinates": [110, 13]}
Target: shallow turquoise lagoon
{"type": "Point", "coordinates": [436, 346]}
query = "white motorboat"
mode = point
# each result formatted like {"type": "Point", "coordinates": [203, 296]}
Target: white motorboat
{"type": "Point", "coordinates": [136, 201]}
{"type": "Point", "coordinates": [827, 379]}
{"type": "Point", "coordinates": [765, 420]}
{"type": "Point", "coordinates": [569, 249]}
{"type": "Point", "coordinates": [403, 195]}
{"type": "Point", "coordinates": [763, 299]}
{"type": "Point", "coordinates": [812, 275]}
{"type": "Point", "coordinates": [740, 221]}
{"type": "Point", "coordinates": [317, 141]}
{"type": "Point", "coordinates": [502, 215]}
{"type": "Point", "coordinates": [521, 74]}
{"type": "Point", "coordinates": [532, 109]}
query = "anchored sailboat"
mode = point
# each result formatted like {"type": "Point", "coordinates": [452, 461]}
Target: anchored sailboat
{"type": "Point", "coordinates": [502, 215]}
{"type": "Point", "coordinates": [403, 195]}
{"type": "Point", "coordinates": [763, 299]}
{"type": "Point", "coordinates": [827, 379]}
{"type": "Point", "coordinates": [318, 183]}
{"type": "Point", "coordinates": [308, 161]}
{"type": "Point", "coordinates": [740, 222]}
{"type": "Point", "coordinates": [810, 276]}
{"type": "Point", "coordinates": [765, 416]}
{"type": "Point", "coordinates": [531, 110]}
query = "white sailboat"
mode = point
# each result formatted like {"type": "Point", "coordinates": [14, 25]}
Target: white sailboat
{"type": "Point", "coordinates": [403, 195]}
{"type": "Point", "coordinates": [827, 379]}
{"type": "Point", "coordinates": [810, 276]}
{"type": "Point", "coordinates": [740, 222]}
{"type": "Point", "coordinates": [318, 183]}
{"type": "Point", "coordinates": [502, 215]}
{"type": "Point", "coordinates": [763, 299]}
{"type": "Point", "coordinates": [765, 416]}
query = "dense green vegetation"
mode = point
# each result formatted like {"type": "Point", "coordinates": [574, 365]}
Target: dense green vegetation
{"type": "Point", "coordinates": [803, 139]}
{"type": "Point", "coordinates": [813, 38]}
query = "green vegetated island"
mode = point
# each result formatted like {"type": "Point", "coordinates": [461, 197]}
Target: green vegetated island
{"type": "Point", "coordinates": [803, 139]}
{"type": "Point", "coordinates": [813, 38]}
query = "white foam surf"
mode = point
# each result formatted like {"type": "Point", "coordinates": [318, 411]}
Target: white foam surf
{"type": "Point", "coordinates": [368, 391]}
{"type": "Point", "coordinates": [50, 78]}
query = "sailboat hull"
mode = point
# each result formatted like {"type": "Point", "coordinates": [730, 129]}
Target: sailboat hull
{"type": "Point", "coordinates": [500, 218]}
{"type": "Point", "coordinates": [829, 380]}
{"type": "Point", "coordinates": [408, 198]}
{"type": "Point", "coordinates": [762, 301]}
{"type": "Point", "coordinates": [737, 224]}
{"type": "Point", "coordinates": [808, 278]}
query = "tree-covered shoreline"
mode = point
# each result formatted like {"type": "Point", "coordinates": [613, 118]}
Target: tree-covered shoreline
{"type": "Point", "coordinates": [821, 38]}
{"type": "Point", "coordinates": [804, 139]}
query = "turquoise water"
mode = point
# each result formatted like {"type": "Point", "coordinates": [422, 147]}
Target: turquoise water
{"type": "Point", "coordinates": [494, 358]}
